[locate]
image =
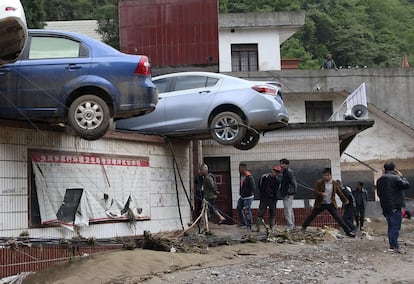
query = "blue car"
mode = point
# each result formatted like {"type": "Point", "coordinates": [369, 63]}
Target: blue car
{"type": "Point", "coordinates": [64, 77]}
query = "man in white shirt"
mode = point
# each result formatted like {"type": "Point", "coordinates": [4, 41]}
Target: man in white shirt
{"type": "Point", "coordinates": [325, 191]}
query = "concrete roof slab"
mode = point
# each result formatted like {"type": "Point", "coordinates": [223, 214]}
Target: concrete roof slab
{"type": "Point", "coordinates": [260, 19]}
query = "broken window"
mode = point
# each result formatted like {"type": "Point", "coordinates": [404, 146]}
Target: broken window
{"type": "Point", "coordinates": [244, 57]}
{"type": "Point", "coordinates": [70, 204]}
{"type": "Point", "coordinates": [318, 111]}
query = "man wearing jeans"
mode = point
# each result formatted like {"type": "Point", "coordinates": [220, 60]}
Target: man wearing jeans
{"type": "Point", "coordinates": [247, 187]}
{"type": "Point", "coordinates": [390, 188]}
{"type": "Point", "coordinates": [288, 189]}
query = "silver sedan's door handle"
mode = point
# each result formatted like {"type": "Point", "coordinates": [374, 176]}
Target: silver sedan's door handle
{"type": "Point", "coordinates": [204, 92]}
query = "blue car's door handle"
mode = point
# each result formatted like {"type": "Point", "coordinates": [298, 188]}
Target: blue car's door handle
{"type": "Point", "coordinates": [73, 67]}
{"type": "Point", "coordinates": [204, 92]}
{"type": "Point", "coordinates": [4, 70]}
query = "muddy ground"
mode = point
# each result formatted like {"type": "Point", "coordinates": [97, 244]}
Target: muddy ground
{"type": "Point", "coordinates": [315, 257]}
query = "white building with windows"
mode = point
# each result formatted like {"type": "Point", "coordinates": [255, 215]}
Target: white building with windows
{"type": "Point", "coordinates": [251, 41]}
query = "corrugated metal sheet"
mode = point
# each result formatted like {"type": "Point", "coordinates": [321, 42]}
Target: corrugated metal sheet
{"type": "Point", "coordinates": [19, 259]}
{"type": "Point", "coordinates": [171, 32]}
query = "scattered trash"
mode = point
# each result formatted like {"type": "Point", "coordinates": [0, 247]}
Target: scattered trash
{"type": "Point", "coordinates": [15, 279]}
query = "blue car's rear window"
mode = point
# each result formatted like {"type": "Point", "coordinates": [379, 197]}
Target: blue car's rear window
{"type": "Point", "coordinates": [53, 47]}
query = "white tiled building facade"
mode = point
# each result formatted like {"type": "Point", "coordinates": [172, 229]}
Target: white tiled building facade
{"type": "Point", "coordinates": [15, 145]}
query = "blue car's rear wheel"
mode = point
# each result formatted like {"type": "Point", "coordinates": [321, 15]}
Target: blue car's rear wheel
{"type": "Point", "coordinates": [227, 128]}
{"type": "Point", "coordinates": [89, 116]}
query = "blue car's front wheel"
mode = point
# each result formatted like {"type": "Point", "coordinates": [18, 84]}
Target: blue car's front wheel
{"type": "Point", "coordinates": [89, 116]}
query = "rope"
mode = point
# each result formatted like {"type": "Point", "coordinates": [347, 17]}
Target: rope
{"type": "Point", "coordinates": [175, 166]}
{"type": "Point", "coordinates": [196, 221]}
{"type": "Point", "coordinates": [178, 197]}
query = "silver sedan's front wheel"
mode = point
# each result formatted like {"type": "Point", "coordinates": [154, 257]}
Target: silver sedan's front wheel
{"type": "Point", "coordinates": [89, 116]}
{"type": "Point", "coordinates": [227, 128]}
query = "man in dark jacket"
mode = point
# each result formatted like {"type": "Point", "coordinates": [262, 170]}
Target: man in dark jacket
{"type": "Point", "coordinates": [390, 189]}
{"type": "Point", "coordinates": [247, 187]}
{"type": "Point", "coordinates": [210, 193]}
{"type": "Point", "coordinates": [268, 186]}
{"type": "Point", "coordinates": [349, 209]}
{"type": "Point", "coordinates": [325, 191]}
{"type": "Point", "coordinates": [361, 201]}
{"type": "Point", "coordinates": [288, 187]}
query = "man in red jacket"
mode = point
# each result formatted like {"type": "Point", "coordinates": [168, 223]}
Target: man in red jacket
{"type": "Point", "coordinates": [247, 187]}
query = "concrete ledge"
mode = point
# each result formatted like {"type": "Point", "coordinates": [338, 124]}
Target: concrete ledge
{"type": "Point", "coordinates": [259, 20]}
{"type": "Point", "coordinates": [43, 126]}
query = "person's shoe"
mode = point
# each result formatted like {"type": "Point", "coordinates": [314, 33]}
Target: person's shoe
{"type": "Point", "coordinates": [351, 234]}
{"type": "Point", "coordinates": [361, 228]}
{"type": "Point", "coordinates": [398, 250]}
{"type": "Point", "coordinates": [241, 225]}
{"type": "Point", "coordinates": [303, 229]}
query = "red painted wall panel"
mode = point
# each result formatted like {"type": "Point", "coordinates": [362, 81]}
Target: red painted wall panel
{"type": "Point", "coordinates": [170, 32]}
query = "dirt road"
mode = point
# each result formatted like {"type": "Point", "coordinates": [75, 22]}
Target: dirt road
{"type": "Point", "coordinates": [346, 260]}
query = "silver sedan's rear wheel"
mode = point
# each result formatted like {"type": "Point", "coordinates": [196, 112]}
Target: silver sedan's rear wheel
{"type": "Point", "coordinates": [89, 116]}
{"type": "Point", "coordinates": [249, 141]}
{"type": "Point", "coordinates": [227, 128]}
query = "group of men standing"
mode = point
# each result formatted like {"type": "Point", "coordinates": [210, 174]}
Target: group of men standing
{"type": "Point", "coordinates": [280, 181]}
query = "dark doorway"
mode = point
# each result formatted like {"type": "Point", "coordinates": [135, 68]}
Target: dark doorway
{"type": "Point", "coordinates": [317, 111]}
{"type": "Point", "coordinates": [220, 168]}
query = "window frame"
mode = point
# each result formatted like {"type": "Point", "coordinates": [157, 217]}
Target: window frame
{"type": "Point", "coordinates": [238, 49]}
{"type": "Point", "coordinates": [82, 53]}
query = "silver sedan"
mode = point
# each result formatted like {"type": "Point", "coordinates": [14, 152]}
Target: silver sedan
{"type": "Point", "coordinates": [202, 105]}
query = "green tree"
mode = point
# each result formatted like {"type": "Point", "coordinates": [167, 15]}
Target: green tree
{"type": "Point", "coordinates": [223, 6]}
{"type": "Point", "coordinates": [67, 10]}
{"type": "Point", "coordinates": [108, 21]}
{"type": "Point", "coordinates": [35, 13]}
{"type": "Point", "coordinates": [243, 6]}
{"type": "Point", "coordinates": [357, 32]}
{"type": "Point", "coordinates": [292, 48]}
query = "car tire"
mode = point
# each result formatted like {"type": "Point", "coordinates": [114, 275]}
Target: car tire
{"type": "Point", "coordinates": [227, 128]}
{"type": "Point", "coordinates": [89, 116]}
{"type": "Point", "coordinates": [249, 141]}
